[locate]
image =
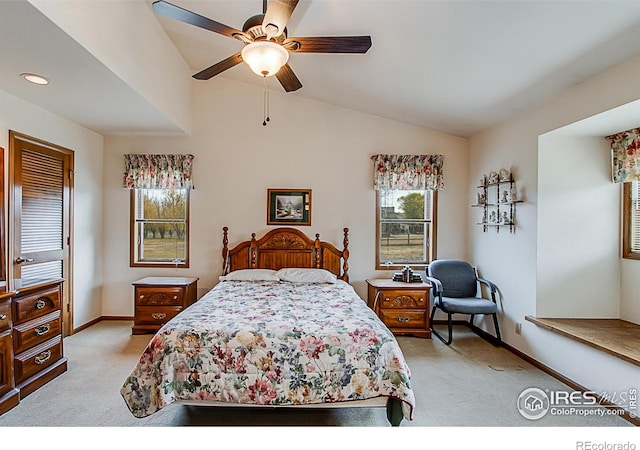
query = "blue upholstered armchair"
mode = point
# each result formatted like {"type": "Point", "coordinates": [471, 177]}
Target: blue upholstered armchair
{"type": "Point", "coordinates": [455, 287]}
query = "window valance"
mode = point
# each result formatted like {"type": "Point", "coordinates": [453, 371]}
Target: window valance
{"type": "Point", "coordinates": [408, 172]}
{"type": "Point", "coordinates": [625, 156]}
{"type": "Point", "coordinates": [158, 172]}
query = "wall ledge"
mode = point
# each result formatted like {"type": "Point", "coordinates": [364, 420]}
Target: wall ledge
{"type": "Point", "coordinates": [616, 337]}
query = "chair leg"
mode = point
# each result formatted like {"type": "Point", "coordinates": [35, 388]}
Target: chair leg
{"type": "Point", "coordinates": [497, 340]}
{"type": "Point", "coordinates": [433, 311]}
{"type": "Point", "coordinates": [495, 324]}
{"type": "Point", "coordinates": [449, 326]}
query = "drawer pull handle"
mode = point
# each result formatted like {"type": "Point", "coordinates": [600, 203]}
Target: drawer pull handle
{"type": "Point", "coordinates": [42, 357]}
{"type": "Point", "coordinates": [40, 304]}
{"type": "Point", "coordinates": [158, 316]}
{"type": "Point", "coordinates": [3, 316]}
{"type": "Point", "coordinates": [403, 319]}
{"type": "Point", "coordinates": [141, 296]}
{"type": "Point", "coordinates": [44, 329]}
{"type": "Point", "coordinates": [175, 297]}
{"type": "Point", "coordinates": [387, 299]}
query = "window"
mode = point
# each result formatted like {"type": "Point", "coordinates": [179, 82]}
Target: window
{"type": "Point", "coordinates": [159, 227]}
{"type": "Point", "coordinates": [405, 228]}
{"type": "Point", "coordinates": [631, 220]}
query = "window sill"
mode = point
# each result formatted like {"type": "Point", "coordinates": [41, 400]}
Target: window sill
{"type": "Point", "coordinates": [616, 337]}
{"type": "Point", "coordinates": [418, 267]}
{"type": "Point", "coordinates": [165, 265]}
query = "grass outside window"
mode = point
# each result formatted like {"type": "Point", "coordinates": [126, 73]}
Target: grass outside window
{"type": "Point", "coordinates": [159, 228]}
{"type": "Point", "coordinates": [405, 228]}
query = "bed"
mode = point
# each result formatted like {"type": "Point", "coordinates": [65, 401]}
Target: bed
{"type": "Point", "coordinates": [282, 328]}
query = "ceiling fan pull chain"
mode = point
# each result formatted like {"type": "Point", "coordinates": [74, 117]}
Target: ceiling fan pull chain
{"type": "Point", "coordinates": [266, 102]}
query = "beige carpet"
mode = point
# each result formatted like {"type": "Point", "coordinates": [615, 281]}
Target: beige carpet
{"type": "Point", "coordinates": [470, 383]}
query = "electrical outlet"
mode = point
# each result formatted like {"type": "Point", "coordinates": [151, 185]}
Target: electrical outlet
{"type": "Point", "coordinates": [518, 328]}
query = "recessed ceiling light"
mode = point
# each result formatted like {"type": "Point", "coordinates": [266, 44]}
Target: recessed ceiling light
{"type": "Point", "coordinates": [33, 78]}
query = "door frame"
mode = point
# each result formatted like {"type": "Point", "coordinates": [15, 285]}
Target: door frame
{"type": "Point", "coordinates": [67, 290]}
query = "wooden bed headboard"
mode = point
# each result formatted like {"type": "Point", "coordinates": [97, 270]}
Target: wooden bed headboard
{"type": "Point", "coordinates": [286, 247]}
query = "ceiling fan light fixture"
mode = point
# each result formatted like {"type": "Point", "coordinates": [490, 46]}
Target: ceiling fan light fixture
{"type": "Point", "coordinates": [265, 58]}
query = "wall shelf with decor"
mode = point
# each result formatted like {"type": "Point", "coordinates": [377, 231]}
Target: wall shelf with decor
{"type": "Point", "coordinates": [497, 197]}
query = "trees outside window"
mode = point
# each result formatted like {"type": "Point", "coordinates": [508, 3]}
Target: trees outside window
{"type": "Point", "coordinates": [405, 228]}
{"type": "Point", "coordinates": [159, 227]}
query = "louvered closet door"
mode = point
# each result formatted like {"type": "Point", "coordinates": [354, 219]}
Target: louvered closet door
{"type": "Point", "coordinates": [40, 210]}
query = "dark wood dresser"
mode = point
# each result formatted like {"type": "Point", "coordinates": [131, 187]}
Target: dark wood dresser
{"type": "Point", "coordinates": [403, 307]}
{"type": "Point", "coordinates": [158, 299]}
{"type": "Point", "coordinates": [38, 355]}
{"type": "Point", "coordinates": [9, 395]}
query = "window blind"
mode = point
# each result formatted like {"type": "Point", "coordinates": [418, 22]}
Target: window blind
{"type": "Point", "coordinates": [634, 217]}
{"type": "Point", "coordinates": [42, 213]}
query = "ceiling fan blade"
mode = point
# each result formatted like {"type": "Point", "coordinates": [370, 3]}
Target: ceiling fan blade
{"type": "Point", "coordinates": [220, 67]}
{"type": "Point", "coordinates": [288, 79]}
{"type": "Point", "coordinates": [277, 16]}
{"type": "Point", "coordinates": [329, 44]}
{"type": "Point", "coordinates": [175, 12]}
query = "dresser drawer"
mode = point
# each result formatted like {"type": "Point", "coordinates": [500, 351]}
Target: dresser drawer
{"type": "Point", "coordinates": [159, 295]}
{"type": "Point", "coordinates": [35, 305]}
{"type": "Point", "coordinates": [156, 315]}
{"type": "Point", "coordinates": [404, 298]}
{"type": "Point", "coordinates": [404, 318]}
{"type": "Point", "coordinates": [5, 315]}
{"type": "Point", "coordinates": [31, 333]}
{"type": "Point", "coordinates": [29, 363]}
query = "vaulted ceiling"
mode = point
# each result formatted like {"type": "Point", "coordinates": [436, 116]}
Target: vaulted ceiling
{"type": "Point", "coordinates": [453, 66]}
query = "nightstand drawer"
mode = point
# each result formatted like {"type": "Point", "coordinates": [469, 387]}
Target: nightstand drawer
{"type": "Point", "coordinates": [159, 299]}
{"type": "Point", "coordinates": [403, 298]}
{"type": "Point", "coordinates": [35, 305]}
{"type": "Point", "coordinates": [156, 315]}
{"type": "Point", "coordinates": [404, 318]}
{"type": "Point", "coordinates": [35, 331]}
{"type": "Point", "coordinates": [403, 307]}
{"type": "Point", "coordinates": [159, 295]}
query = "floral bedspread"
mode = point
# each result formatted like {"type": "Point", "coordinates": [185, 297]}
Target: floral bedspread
{"type": "Point", "coordinates": [271, 343]}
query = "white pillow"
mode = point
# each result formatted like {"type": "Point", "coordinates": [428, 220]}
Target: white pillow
{"type": "Point", "coordinates": [250, 275]}
{"type": "Point", "coordinates": [300, 275]}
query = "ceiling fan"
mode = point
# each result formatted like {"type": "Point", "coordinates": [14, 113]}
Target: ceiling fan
{"type": "Point", "coordinates": [267, 45]}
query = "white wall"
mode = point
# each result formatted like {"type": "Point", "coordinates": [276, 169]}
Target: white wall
{"type": "Point", "coordinates": [23, 117]}
{"type": "Point", "coordinates": [578, 229]}
{"type": "Point", "coordinates": [306, 145]}
{"type": "Point", "coordinates": [511, 260]}
{"type": "Point", "coordinates": [629, 303]}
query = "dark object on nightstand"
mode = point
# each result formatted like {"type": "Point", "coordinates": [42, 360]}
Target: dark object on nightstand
{"type": "Point", "coordinates": [407, 276]}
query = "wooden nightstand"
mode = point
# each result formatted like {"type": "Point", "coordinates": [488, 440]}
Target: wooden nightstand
{"type": "Point", "coordinates": [403, 307]}
{"type": "Point", "coordinates": [159, 299]}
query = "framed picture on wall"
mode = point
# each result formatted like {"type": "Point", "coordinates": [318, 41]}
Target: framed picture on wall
{"type": "Point", "coordinates": [288, 206]}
